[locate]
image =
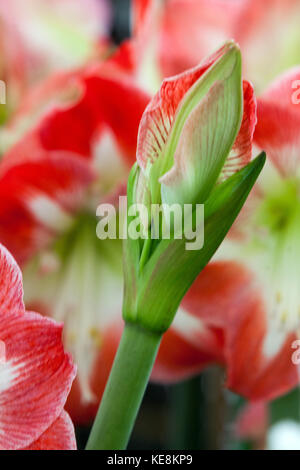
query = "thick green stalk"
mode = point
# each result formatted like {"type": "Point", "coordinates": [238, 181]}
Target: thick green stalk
{"type": "Point", "coordinates": [125, 389]}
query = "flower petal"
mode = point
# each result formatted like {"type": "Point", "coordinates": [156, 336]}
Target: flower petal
{"type": "Point", "coordinates": [11, 290]}
{"type": "Point", "coordinates": [277, 131]}
{"type": "Point", "coordinates": [38, 198]}
{"type": "Point", "coordinates": [187, 348]}
{"type": "Point", "coordinates": [251, 372]}
{"type": "Point", "coordinates": [109, 100]}
{"type": "Point", "coordinates": [122, 104]}
{"type": "Point", "coordinates": [35, 379]}
{"type": "Point", "coordinates": [227, 302]}
{"type": "Point", "coordinates": [241, 151]}
{"type": "Point", "coordinates": [284, 90]}
{"type": "Point", "coordinates": [59, 436]}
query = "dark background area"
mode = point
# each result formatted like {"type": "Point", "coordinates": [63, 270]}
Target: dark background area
{"type": "Point", "coordinates": [121, 20]}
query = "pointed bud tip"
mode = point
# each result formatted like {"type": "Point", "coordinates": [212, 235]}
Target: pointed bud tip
{"type": "Point", "coordinates": [230, 44]}
{"type": "Point", "coordinates": [229, 59]}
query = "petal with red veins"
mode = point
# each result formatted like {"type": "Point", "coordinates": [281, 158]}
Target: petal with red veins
{"type": "Point", "coordinates": [241, 151]}
{"type": "Point", "coordinates": [202, 151]}
{"type": "Point", "coordinates": [35, 379]}
{"type": "Point", "coordinates": [59, 436]}
{"type": "Point", "coordinates": [2, 352]}
{"type": "Point", "coordinates": [11, 290]}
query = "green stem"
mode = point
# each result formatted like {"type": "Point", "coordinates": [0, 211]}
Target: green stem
{"type": "Point", "coordinates": [125, 389]}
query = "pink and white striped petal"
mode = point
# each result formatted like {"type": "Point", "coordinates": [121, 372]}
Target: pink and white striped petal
{"type": "Point", "coordinates": [59, 436]}
{"type": "Point", "coordinates": [34, 380]}
{"type": "Point", "coordinates": [241, 151]}
{"type": "Point", "coordinates": [35, 373]}
{"type": "Point", "coordinates": [11, 290]}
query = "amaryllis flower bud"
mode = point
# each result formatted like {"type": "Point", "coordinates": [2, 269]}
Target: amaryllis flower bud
{"type": "Point", "coordinates": [189, 128]}
{"type": "Point", "coordinates": [194, 142]}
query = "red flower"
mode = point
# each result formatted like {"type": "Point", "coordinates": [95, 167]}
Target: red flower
{"type": "Point", "coordinates": [35, 373]}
